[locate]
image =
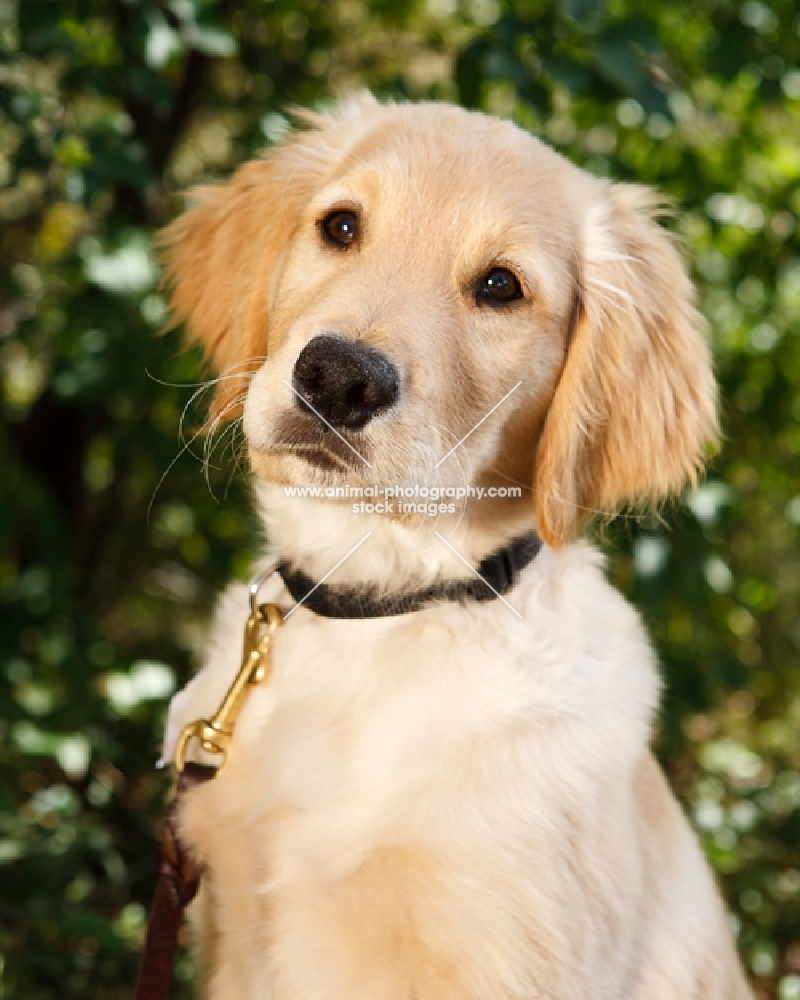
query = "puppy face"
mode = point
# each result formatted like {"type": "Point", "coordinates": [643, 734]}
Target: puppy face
{"type": "Point", "coordinates": [376, 287]}
{"type": "Point", "coordinates": [411, 281]}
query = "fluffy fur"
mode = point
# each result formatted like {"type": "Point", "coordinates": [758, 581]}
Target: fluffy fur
{"type": "Point", "coordinates": [460, 802]}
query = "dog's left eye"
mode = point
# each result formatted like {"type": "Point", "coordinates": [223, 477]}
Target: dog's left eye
{"type": "Point", "coordinates": [340, 228]}
{"type": "Point", "coordinates": [498, 287]}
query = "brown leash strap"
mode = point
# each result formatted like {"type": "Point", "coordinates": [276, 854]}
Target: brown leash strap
{"type": "Point", "coordinates": [179, 872]}
{"type": "Point", "coordinates": [178, 880]}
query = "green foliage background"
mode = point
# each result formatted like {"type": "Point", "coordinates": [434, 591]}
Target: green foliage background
{"type": "Point", "coordinates": [112, 543]}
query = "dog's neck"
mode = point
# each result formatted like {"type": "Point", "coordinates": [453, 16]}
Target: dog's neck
{"type": "Point", "coordinates": [386, 553]}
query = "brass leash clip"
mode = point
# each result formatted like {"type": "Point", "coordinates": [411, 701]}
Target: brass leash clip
{"type": "Point", "coordinates": [215, 734]}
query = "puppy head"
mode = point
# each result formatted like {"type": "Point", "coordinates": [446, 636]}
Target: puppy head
{"type": "Point", "coordinates": [392, 273]}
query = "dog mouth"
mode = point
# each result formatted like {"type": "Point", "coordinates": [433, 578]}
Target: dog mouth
{"type": "Point", "coordinates": [317, 444]}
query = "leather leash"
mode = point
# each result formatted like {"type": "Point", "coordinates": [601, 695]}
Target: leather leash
{"type": "Point", "coordinates": [178, 881]}
{"type": "Point", "coordinates": [179, 872]}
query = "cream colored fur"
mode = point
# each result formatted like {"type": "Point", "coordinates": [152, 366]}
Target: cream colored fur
{"type": "Point", "coordinates": [459, 803]}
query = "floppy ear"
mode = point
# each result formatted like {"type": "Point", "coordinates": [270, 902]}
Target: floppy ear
{"type": "Point", "coordinates": [218, 257]}
{"type": "Point", "coordinates": [635, 407]}
{"type": "Point", "coordinates": [221, 253]}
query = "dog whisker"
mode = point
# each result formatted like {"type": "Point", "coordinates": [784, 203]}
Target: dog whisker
{"type": "Point", "coordinates": [181, 451]}
{"type": "Point", "coordinates": [186, 444]}
{"type": "Point", "coordinates": [228, 374]}
{"type": "Point", "coordinates": [256, 359]}
{"type": "Point", "coordinates": [210, 444]}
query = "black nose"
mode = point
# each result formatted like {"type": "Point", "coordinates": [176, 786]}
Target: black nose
{"type": "Point", "coordinates": [345, 382]}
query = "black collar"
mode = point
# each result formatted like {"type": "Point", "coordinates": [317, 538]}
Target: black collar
{"type": "Point", "coordinates": [500, 571]}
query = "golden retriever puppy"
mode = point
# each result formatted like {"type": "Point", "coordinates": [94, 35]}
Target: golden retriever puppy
{"type": "Point", "coordinates": [459, 347]}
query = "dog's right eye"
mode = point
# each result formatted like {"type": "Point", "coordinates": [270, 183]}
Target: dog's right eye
{"type": "Point", "coordinates": [340, 228]}
{"type": "Point", "coordinates": [499, 287]}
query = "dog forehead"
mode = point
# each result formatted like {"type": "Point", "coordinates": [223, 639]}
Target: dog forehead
{"type": "Point", "coordinates": [442, 164]}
